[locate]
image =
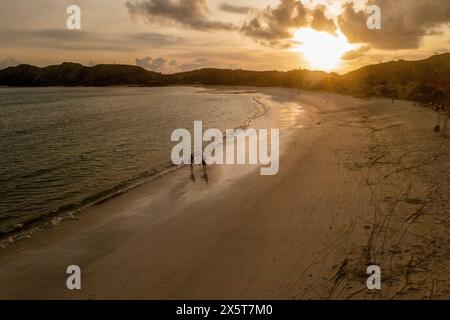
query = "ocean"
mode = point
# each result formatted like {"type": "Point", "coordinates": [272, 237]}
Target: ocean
{"type": "Point", "coordinates": [64, 149]}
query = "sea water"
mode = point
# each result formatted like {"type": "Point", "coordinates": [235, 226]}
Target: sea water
{"type": "Point", "coordinates": [62, 149]}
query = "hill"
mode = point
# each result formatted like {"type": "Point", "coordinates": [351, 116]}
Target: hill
{"type": "Point", "coordinates": [424, 80]}
{"type": "Point", "coordinates": [293, 79]}
{"type": "Point", "coordinates": [73, 74]}
{"type": "Point", "coordinates": [415, 80]}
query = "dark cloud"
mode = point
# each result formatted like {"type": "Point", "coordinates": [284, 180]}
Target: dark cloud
{"type": "Point", "coordinates": [157, 64]}
{"type": "Point", "coordinates": [321, 22]}
{"type": "Point", "coordinates": [355, 54]}
{"type": "Point", "coordinates": [58, 39]}
{"type": "Point", "coordinates": [80, 40]}
{"type": "Point", "coordinates": [157, 39]}
{"type": "Point", "coordinates": [404, 22]}
{"type": "Point", "coordinates": [188, 13]}
{"type": "Point", "coordinates": [234, 9]}
{"type": "Point", "coordinates": [42, 36]}
{"type": "Point", "coordinates": [273, 26]}
{"type": "Point", "coordinates": [8, 62]}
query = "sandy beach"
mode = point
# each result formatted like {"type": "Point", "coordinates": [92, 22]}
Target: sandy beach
{"type": "Point", "coordinates": [361, 182]}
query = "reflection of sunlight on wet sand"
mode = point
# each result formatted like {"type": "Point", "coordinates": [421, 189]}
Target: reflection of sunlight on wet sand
{"type": "Point", "coordinates": [282, 112]}
{"type": "Point", "coordinates": [290, 116]}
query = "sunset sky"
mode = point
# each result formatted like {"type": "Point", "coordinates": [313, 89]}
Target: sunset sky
{"type": "Point", "coordinates": [172, 35]}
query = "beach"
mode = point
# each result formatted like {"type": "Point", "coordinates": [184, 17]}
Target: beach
{"type": "Point", "coordinates": [361, 182]}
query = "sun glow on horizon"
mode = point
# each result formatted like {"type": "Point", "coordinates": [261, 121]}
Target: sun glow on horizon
{"type": "Point", "coordinates": [322, 50]}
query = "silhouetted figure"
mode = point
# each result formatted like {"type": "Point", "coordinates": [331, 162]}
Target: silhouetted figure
{"type": "Point", "coordinates": [192, 167]}
{"type": "Point", "coordinates": [205, 169]}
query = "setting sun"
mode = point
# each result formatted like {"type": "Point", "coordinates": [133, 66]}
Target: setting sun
{"type": "Point", "coordinates": [322, 50]}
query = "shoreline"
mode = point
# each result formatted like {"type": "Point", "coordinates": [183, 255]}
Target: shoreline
{"type": "Point", "coordinates": [251, 88]}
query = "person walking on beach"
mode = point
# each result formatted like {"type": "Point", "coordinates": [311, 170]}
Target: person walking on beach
{"type": "Point", "coordinates": [205, 168]}
{"type": "Point", "coordinates": [192, 166]}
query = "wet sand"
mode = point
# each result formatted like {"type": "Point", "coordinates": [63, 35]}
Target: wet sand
{"type": "Point", "coordinates": [361, 182]}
